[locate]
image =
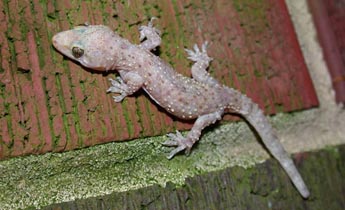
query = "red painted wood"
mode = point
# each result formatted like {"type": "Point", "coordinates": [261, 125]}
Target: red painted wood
{"type": "Point", "coordinates": [329, 17]}
{"type": "Point", "coordinates": [48, 103]}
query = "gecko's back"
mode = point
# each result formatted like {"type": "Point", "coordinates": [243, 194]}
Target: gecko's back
{"type": "Point", "coordinates": [183, 97]}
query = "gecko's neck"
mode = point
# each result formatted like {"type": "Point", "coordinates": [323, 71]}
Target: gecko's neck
{"type": "Point", "coordinates": [127, 56]}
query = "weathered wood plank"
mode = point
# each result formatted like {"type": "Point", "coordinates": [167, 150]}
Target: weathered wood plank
{"type": "Point", "coordinates": [264, 186]}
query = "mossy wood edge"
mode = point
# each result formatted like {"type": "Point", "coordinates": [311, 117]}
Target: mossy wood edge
{"type": "Point", "coordinates": [264, 186]}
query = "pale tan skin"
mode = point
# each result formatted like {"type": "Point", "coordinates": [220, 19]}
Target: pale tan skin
{"type": "Point", "coordinates": [202, 97]}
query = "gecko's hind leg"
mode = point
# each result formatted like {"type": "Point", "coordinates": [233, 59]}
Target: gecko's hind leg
{"type": "Point", "coordinates": [202, 61]}
{"type": "Point", "coordinates": [186, 143]}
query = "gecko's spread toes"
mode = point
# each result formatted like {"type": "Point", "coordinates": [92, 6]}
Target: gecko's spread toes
{"type": "Point", "coordinates": [119, 98]}
{"type": "Point", "coordinates": [145, 31]}
{"type": "Point", "coordinates": [199, 55]}
{"type": "Point", "coordinates": [118, 86]}
{"type": "Point", "coordinates": [181, 143]}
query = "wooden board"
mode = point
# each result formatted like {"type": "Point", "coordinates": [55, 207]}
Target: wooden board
{"type": "Point", "coordinates": [48, 103]}
{"type": "Point", "coordinates": [329, 18]}
{"type": "Point", "coordinates": [264, 186]}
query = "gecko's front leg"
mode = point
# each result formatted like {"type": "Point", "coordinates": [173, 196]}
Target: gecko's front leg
{"type": "Point", "coordinates": [151, 34]}
{"type": "Point", "coordinates": [127, 84]}
{"type": "Point", "coordinates": [202, 61]}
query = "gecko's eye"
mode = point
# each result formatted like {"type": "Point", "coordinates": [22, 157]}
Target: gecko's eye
{"type": "Point", "coordinates": [77, 52]}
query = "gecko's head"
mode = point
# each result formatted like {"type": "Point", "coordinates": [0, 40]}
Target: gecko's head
{"type": "Point", "coordinates": [88, 45]}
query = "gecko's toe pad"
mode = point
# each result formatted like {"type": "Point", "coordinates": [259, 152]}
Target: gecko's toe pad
{"type": "Point", "coordinates": [181, 143]}
{"type": "Point", "coordinates": [149, 29]}
{"type": "Point", "coordinates": [198, 54]}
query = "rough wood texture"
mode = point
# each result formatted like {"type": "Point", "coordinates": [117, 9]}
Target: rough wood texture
{"type": "Point", "coordinates": [48, 103]}
{"type": "Point", "coordinates": [263, 187]}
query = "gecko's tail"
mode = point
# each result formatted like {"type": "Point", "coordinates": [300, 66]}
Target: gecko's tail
{"type": "Point", "coordinates": [254, 115]}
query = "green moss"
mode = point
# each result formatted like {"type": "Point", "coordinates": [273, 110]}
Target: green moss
{"type": "Point", "coordinates": [63, 105]}
{"type": "Point", "coordinates": [127, 118]}
{"type": "Point", "coordinates": [113, 167]}
{"type": "Point", "coordinates": [264, 186]}
{"type": "Point", "coordinates": [9, 123]}
{"type": "Point", "coordinates": [127, 166]}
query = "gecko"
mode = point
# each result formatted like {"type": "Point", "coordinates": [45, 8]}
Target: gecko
{"type": "Point", "coordinates": [200, 97]}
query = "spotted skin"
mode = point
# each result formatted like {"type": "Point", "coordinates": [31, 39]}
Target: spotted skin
{"type": "Point", "coordinates": [201, 97]}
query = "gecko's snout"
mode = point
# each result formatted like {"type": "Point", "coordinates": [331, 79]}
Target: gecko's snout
{"type": "Point", "coordinates": [54, 41]}
{"type": "Point", "coordinates": [57, 41]}
{"type": "Point", "coordinates": [63, 41]}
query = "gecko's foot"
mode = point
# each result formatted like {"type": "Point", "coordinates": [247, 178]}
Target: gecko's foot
{"type": "Point", "coordinates": [181, 143]}
{"type": "Point", "coordinates": [146, 31]}
{"type": "Point", "coordinates": [118, 86]}
{"type": "Point", "coordinates": [199, 55]}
